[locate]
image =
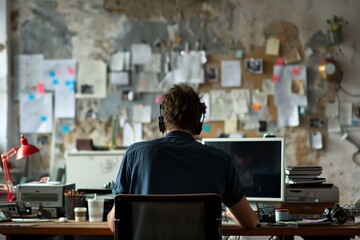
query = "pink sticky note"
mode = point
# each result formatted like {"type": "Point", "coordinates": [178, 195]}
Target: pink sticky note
{"type": "Point", "coordinates": [275, 78]}
{"type": "Point", "coordinates": [279, 62]}
{"type": "Point", "coordinates": [295, 71]}
{"type": "Point", "coordinates": [71, 71]}
{"type": "Point", "coordinates": [41, 88]}
{"type": "Point", "coordinates": [158, 99]}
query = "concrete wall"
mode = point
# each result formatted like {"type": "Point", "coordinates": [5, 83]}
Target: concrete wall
{"type": "Point", "coordinates": [93, 29]}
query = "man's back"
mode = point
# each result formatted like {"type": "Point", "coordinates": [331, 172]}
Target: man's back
{"type": "Point", "coordinates": [178, 164]}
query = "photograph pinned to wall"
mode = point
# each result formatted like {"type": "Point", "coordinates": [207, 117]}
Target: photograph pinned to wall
{"type": "Point", "coordinates": [212, 73]}
{"type": "Point", "coordinates": [254, 65]}
{"type": "Point", "coordinates": [298, 87]}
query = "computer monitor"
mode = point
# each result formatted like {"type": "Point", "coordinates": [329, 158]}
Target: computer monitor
{"type": "Point", "coordinates": [261, 164]}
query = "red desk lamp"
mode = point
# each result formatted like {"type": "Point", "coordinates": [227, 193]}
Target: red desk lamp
{"type": "Point", "coordinates": [23, 151]}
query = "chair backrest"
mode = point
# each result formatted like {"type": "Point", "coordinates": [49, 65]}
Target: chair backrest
{"type": "Point", "coordinates": [184, 216]}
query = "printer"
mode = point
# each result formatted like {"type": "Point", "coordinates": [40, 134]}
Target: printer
{"type": "Point", "coordinates": [49, 195]}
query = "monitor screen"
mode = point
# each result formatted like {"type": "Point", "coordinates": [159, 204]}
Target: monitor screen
{"type": "Point", "coordinates": [261, 164]}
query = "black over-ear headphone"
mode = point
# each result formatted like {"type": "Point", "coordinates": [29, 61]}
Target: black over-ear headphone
{"type": "Point", "coordinates": [336, 214]}
{"type": "Point", "coordinates": [162, 124]}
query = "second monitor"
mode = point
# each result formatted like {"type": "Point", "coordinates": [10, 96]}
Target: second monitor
{"type": "Point", "coordinates": [261, 164]}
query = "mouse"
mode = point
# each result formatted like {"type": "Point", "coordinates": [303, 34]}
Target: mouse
{"type": "Point", "coordinates": [63, 219]}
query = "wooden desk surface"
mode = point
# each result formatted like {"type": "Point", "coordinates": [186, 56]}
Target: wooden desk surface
{"type": "Point", "coordinates": [101, 228]}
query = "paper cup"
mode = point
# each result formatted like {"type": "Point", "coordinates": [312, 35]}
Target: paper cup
{"type": "Point", "coordinates": [80, 214]}
{"type": "Point", "coordinates": [96, 210]}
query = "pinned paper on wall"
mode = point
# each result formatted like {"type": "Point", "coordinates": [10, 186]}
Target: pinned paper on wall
{"type": "Point", "coordinates": [58, 73]}
{"type": "Point", "coordinates": [272, 46]}
{"type": "Point", "coordinates": [119, 78]}
{"type": "Point", "coordinates": [225, 104]}
{"type": "Point", "coordinates": [154, 65]}
{"type": "Point", "coordinates": [148, 82]}
{"type": "Point", "coordinates": [288, 83]}
{"type": "Point", "coordinates": [259, 99]}
{"type": "Point", "coordinates": [64, 106]}
{"type": "Point", "coordinates": [288, 115]}
{"type": "Point", "coordinates": [230, 125]}
{"type": "Point", "coordinates": [132, 132]}
{"type": "Point", "coordinates": [290, 93]}
{"type": "Point", "coordinates": [140, 54]}
{"type": "Point", "coordinates": [92, 79]}
{"type": "Point", "coordinates": [28, 71]}
{"type": "Point", "coordinates": [345, 113]}
{"type": "Point", "coordinates": [332, 110]}
{"type": "Point", "coordinates": [117, 61]}
{"type": "Point", "coordinates": [173, 31]}
{"type": "Point", "coordinates": [36, 111]}
{"type": "Point", "coordinates": [189, 68]}
{"type": "Point", "coordinates": [333, 125]}
{"type": "Point", "coordinates": [141, 113]}
{"type": "Point", "coordinates": [230, 74]}
{"type": "Point", "coordinates": [268, 86]}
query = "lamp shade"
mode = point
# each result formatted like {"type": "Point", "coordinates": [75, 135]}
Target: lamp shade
{"type": "Point", "coordinates": [25, 149]}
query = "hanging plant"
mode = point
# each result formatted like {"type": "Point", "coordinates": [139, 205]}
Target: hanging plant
{"type": "Point", "coordinates": [334, 28]}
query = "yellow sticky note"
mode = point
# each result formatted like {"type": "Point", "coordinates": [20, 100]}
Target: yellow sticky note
{"type": "Point", "coordinates": [272, 46]}
{"type": "Point", "coordinates": [230, 125]}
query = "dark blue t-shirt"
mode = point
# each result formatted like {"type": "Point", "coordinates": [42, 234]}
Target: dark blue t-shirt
{"type": "Point", "coordinates": [177, 164]}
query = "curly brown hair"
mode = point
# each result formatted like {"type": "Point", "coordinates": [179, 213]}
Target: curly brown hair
{"type": "Point", "coordinates": [182, 108]}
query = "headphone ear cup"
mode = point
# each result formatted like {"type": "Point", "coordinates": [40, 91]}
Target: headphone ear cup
{"type": "Point", "coordinates": [199, 129]}
{"type": "Point", "coordinates": [339, 215]}
{"type": "Point", "coordinates": [161, 124]}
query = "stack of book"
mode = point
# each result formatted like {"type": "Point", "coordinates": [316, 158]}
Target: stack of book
{"type": "Point", "coordinates": [304, 175]}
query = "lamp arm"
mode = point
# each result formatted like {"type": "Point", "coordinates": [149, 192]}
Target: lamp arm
{"type": "Point", "coordinates": [7, 177]}
{"type": "Point", "coordinates": [9, 154]}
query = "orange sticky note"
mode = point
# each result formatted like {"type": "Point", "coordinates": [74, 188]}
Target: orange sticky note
{"type": "Point", "coordinates": [256, 107]}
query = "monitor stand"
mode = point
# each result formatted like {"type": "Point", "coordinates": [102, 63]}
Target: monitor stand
{"type": "Point", "coordinates": [254, 206]}
{"type": "Point", "coordinates": [265, 212]}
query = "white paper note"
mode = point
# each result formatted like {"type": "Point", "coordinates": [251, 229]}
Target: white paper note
{"type": "Point", "coordinates": [119, 78]}
{"type": "Point", "coordinates": [36, 113]}
{"type": "Point", "coordinates": [59, 73]}
{"type": "Point", "coordinates": [92, 79]}
{"type": "Point", "coordinates": [140, 54]}
{"type": "Point", "coordinates": [141, 113]}
{"type": "Point", "coordinates": [230, 74]}
{"type": "Point", "coordinates": [132, 132]}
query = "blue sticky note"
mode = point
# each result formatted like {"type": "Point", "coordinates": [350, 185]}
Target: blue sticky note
{"type": "Point", "coordinates": [65, 128]}
{"type": "Point", "coordinates": [239, 53]}
{"type": "Point", "coordinates": [55, 82]}
{"type": "Point", "coordinates": [207, 128]}
{"type": "Point", "coordinates": [68, 83]}
{"type": "Point", "coordinates": [43, 118]}
{"type": "Point", "coordinates": [31, 97]}
{"type": "Point", "coordinates": [71, 89]}
{"type": "Point", "coordinates": [52, 73]}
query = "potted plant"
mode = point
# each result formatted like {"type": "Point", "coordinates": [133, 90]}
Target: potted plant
{"type": "Point", "coordinates": [334, 28]}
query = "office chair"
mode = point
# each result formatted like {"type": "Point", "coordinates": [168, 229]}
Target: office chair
{"type": "Point", "coordinates": [175, 217]}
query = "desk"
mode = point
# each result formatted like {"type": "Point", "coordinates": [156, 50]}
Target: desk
{"type": "Point", "coordinates": [71, 229]}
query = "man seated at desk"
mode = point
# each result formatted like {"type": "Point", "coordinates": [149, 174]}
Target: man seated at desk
{"type": "Point", "coordinates": [178, 164]}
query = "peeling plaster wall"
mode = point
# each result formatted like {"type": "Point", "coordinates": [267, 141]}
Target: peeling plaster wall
{"type": "Point", "coordinates": [84, 29]}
